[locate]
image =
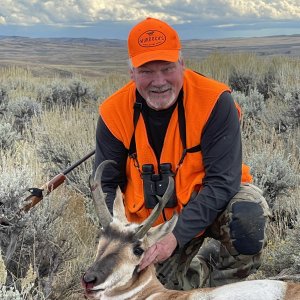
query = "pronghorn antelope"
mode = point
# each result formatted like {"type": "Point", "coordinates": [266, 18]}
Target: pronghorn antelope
{"type": "Point", "coordinates": [115, 275]}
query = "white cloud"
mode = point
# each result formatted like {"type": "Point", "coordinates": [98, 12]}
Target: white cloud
{"type": "Point", "coordinates": [2, 20]}
{"type": "Point", "coordinates": [226, 25]}
{"type": "Point", "coordinates": [80, 12]}
{"type": "Point", "coordinates": [275, 9]}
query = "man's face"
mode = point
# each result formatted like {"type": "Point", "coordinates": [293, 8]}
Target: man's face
{"type": "Point", "coordinates": [159, 82]}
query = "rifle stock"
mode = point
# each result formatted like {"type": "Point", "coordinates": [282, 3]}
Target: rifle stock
{"type": "Point", "coordinates": [38, 194]}
{"type": "Point", "coordinates": [46, 189]}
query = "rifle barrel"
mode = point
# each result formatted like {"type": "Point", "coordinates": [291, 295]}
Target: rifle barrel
{"type": "Point", "coordinates": [72, 167]}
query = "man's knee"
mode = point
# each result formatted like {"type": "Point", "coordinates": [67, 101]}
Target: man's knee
{"type": "Point", "coordinates": [247, 217]}
{"type": "Point", "coordinates": [247, 227]}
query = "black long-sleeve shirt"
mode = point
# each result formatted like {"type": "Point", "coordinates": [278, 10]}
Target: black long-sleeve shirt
{"type": "Point", "coordinates": [222, 158]}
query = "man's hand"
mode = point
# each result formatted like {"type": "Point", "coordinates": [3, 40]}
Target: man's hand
{"type": "Point", "coordinates": [159, 252]}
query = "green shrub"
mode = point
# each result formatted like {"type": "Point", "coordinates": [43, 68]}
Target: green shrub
{"type": "Point", "coordinates": [81, 91]}
{"type": "Point", "coordinates": [291, 97]}
{"type": "Point", "coordinates": [35, 237]}
{"type": "Point", "coordinates": [8, 136]}
{"type": "Point", "coordinates": [242, 82]}
{"type": "Point", "coordinates": [63, 94]}
{"type": "Point", "coordinates": [22, 110]}
{"type": "Point", "coordinates": [253, 106]}
{"type": "Point", "coordinates": [246, 81]}
{"type": "Point", "coordinates": [57, 93]}
{"type": "Point", "coordinates": [273, 173]}
{"type": "Point", "coordinates": [286, 255]}
{"type": "Point", "coordinates": [3, 100]}
{"type": "Point", "coordinates": [10, 293]}
{"type": "Point", "coordinates": [14, 181]}
{"type": "Point", "coordinates": [283, 111]}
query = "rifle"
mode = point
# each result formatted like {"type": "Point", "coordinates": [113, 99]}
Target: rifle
{"type": "Point", "coordinates": [37, 194]}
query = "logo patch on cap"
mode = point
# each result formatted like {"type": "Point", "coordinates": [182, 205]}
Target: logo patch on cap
{"type": "Point", "coordinates": [151, 38]}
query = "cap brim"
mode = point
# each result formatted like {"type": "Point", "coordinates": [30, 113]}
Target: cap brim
{"type": "Point", "coordinates": [165, 55]}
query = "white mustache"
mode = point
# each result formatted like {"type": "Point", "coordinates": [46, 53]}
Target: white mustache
{"type": "Point", "coordinates": [160, 89]}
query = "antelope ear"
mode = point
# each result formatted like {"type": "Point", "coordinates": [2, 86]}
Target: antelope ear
{"type": "Point", "coordinates": [119, 210]}
{"type": "Point", "coordinates": [158, 232]}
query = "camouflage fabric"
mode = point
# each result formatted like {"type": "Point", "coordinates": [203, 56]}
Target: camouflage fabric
{"type": "Point", "coordinates": [229, 251]}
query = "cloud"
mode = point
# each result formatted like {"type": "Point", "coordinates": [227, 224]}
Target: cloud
{"type": "Point", "coordinates": [2, 20]}
{"type": "Point", "coordinates": [277, 9]}
{"type": "Point", "coordinates": [79, 12]}
{"type": "Point", "coordinates": [114, 18]}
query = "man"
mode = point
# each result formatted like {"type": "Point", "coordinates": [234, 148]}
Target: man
{"type": "Point", "coordinates": [172, 121]}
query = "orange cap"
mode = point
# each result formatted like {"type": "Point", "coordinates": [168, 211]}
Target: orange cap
{"type": "Point", "coordinates": [153, 39]}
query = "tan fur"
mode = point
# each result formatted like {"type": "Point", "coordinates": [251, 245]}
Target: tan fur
{"type": "Point", "coordinates": [145, 285]}
{"type": "Point", "coordinates": [114, 273]}
{"type": "Point", "coordinates": [292, 291]}
{"type": "Point", "coordinates": [153, 290]}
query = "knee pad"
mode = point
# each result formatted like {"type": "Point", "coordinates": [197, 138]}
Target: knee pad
{"type": "Point", "coordinates": [247, 227]}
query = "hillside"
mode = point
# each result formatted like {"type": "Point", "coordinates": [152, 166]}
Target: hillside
{"type": "Point", "coordinates": [94, 57]}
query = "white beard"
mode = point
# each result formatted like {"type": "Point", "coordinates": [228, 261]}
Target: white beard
{"type": "Point", "coordinates": [159, 103]}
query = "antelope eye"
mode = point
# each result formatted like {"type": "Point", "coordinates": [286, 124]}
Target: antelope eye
{"type": "Point", "coordinates": [138, 251]}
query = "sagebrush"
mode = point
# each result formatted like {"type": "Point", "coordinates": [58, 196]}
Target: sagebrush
{"type": "Point", "coordinates": [48, 123]}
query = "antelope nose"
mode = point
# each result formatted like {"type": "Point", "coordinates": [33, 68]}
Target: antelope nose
{"type": "Point", "coordinates": [89, 280]}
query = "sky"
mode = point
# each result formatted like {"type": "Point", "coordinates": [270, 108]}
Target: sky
{"type": "Point", "coordinates": [112, 19]}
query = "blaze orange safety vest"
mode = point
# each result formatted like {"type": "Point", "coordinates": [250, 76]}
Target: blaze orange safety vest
{"type": "Point", "coordinates": [200, 97]}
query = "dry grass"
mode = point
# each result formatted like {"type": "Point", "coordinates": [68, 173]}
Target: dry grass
{"type": "Point", "coordinates": [60, 136]}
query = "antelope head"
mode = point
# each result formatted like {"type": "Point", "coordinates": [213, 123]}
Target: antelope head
{"type": "Point", "coordinates": [122, 244]}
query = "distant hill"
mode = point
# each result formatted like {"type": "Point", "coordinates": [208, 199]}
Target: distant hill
{"type": "Point", "coordinates": [97, 57]}
{"type": "Point", "coordinates": [269, 45]}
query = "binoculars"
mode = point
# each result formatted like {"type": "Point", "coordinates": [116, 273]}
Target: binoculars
{"type": "Point", "coordinates": [156, 184]}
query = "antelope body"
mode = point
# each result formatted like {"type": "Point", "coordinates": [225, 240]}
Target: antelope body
{"type": "Point", "coordinates": [115, 274]}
